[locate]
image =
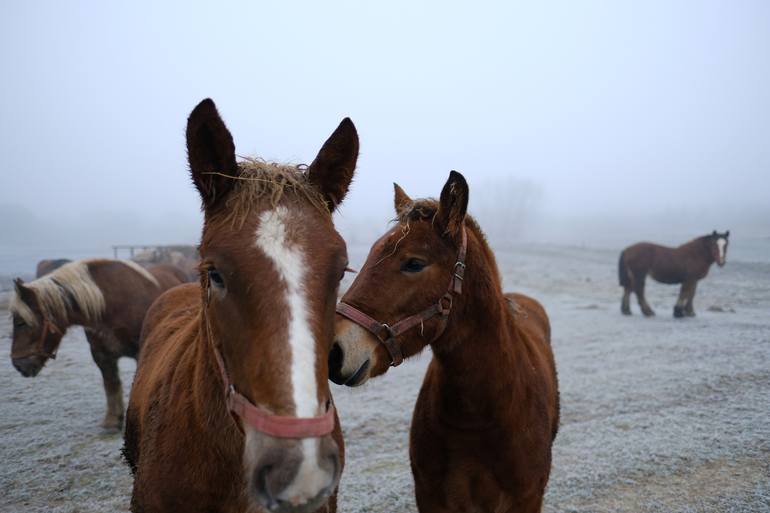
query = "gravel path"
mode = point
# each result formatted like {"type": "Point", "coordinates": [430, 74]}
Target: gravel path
{"type": "Point", "coordinates": [657, 414]}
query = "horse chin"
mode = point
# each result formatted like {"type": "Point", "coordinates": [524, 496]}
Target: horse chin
{"type": "Point", "coordinates": [721, 264]}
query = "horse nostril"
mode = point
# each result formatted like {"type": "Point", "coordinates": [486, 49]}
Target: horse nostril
{"type": "Point", "coordinates": [335, 362]}
{"type": "Point", "coordinates": [274, 472]}
{"type": "Point", "coordinates": [262, 486]}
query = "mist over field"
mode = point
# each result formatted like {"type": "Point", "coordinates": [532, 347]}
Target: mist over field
{"type": "Point", "coordinates": [596, 123]}
{"type": "Point", "coordinates": [580, 126]}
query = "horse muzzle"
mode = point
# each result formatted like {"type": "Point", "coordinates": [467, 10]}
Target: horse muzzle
{"type": "Point", "coordinates": [291, 475]}
{"type": "Point", "coordinates": [28, 366]}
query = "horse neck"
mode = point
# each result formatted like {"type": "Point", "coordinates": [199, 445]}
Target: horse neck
{"type": "Point", "coordinates": [209, 387]}
{"type": "Point", "coordinates": [701, 248]}
{"type": "Point", "coordinates": [477, 356]}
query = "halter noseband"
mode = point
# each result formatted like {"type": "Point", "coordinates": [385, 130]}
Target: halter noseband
{"type": "Point", "coordinates": [387, 334]}
{"type": "Point", "coordinates": [279, 426]}
{"type": "Point", "coordinates": [39, 347]}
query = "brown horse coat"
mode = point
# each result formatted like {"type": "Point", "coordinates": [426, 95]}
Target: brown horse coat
{"type": "Point", "coordinates": [271, 262]}
{"type": "Point", "coordinates": [109, 298]}
{"type": "Point", "coordinates": [685, 264]}
{"type": "Point", "coordinates": [488, 409]}
{"type": "Point", "coordinates": [487, 414]}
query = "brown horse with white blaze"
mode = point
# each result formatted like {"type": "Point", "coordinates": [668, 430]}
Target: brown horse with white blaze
{"type": "Point", "coordinates": [488, 409]}
{"type": "Point", "coordinates": [107, 297]}
{"type": "Point", "coordinates": [685, 264]}
{"type": "Point", "coordinates": [230, 410]}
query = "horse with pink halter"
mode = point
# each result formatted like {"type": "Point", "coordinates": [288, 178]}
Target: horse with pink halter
{"type": "Point", "coordinates": [230, 408]}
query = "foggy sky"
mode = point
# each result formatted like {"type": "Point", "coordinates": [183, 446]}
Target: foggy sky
{"type": "Point", "coordinates": [618, 112]}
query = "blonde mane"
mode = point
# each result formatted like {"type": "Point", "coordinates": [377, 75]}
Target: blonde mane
{"type": "Point", "coordinates": [56, 291]}
{"type": "Point", "coordinates": [258, 179]}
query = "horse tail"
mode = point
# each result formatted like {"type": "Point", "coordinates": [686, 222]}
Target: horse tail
{"type": "Point", "coordinates": [624, 274]}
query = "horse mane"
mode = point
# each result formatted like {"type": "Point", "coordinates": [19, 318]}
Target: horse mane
{"type": "Point", "coordinates": [258, 178]}
{"type": "Point", "coordinates": [57, 291]}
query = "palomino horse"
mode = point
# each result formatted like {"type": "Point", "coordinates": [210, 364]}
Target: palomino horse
{"type": "Point", "coordinates": [685, 264]}
{"type": "Point", "coordinates": [230, 410]}
{"type": "Point", "coordinates": [107, 297]}
{"type": "Point", "coordinates": [488, 409]}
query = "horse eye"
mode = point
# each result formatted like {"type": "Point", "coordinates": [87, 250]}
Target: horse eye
{"type": "Point", "coordinates": [19, 323]}
{"type": "Point", "coordinates": [412, 266]}
{"type": "Point", "coordinates": [215, 277]}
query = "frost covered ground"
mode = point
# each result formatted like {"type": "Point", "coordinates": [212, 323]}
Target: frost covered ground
{"type": "Point", "coordinates": [657, 414]}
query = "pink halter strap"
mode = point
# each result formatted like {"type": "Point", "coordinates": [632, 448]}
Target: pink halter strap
{"type": "Point", "coordinates": [279, 426]}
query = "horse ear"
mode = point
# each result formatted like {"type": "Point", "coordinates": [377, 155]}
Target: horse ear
{"type": "Point", "coordinates": [727, 234]}
{"type": "Point", "coordinates": [453, 204]}
{"type": "Point", "coordinates": [401, 200]}
{"type": "Point", "coordinates": [210, 152]}
{"type": "Point", "coordinates": [714, 233]}
{"type": "Point", "coordinates": [26, 294]}
{"type": "Point", "coordinates": [332, 169]}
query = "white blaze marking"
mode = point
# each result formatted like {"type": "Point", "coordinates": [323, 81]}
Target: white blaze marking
{"type": "Point", "coordinates": [289, 262]}
{"type": "Point", "coordinates": [721, 243]}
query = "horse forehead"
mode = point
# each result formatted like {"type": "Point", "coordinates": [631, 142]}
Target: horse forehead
{"type": "Point", "coordinates": [287, 238]}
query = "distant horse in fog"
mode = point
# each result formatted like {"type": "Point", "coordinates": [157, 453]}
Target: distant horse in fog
{"type": "Point", "coordinates": [685, 264]}
{"type": "Point", "coordinates": [107, 297]}
{"type": "Point", "coordinates": [47, 266]}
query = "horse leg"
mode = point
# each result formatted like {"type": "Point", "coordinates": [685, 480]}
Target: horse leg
{"type": "Point", "coordinates": [685, 293]}
{"type": "Point", "coordinates": [113, 389]}
{"type": "Point", "coordinates": [688, 309]}
{"type": "Point", "coordinates": [639, 291]}
{"type": "Point", "coordinates": [625, 304]}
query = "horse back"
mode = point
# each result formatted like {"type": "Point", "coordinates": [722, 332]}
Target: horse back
{"type": "Point", "coordinates": [534, 327]}
{"type": "Point", "coordinates": [168, 275]}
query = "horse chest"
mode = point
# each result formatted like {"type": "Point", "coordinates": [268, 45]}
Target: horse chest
{"type": "Point", "coordinates": [474, 469]}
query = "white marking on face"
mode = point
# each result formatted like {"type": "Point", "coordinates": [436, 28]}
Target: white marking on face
{"type": "Point", "coordinates": [721, 245]}
{"type": "Point", "coordinates": [288, 259]}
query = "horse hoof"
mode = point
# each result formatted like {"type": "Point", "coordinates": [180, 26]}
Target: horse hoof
{"type": "Point", "coordinates": [625, 311]}
{"type": "Point", "coordinates": [649, 313]}
{"type": "Point", "coordinates": [678, 312]}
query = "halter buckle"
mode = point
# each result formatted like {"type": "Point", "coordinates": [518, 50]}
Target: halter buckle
{"type": "Point", "coordinates": [445, 304]}
{"type": "Point", "coordinates": [388, 330]}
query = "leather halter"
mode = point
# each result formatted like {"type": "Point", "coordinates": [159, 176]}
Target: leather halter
{"type": "Point", "coordinates": [39, 347]}
{"type": "Point", "coordinates": [279, 426]}
{"type": "Point", "coordinates": [387, 334]}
